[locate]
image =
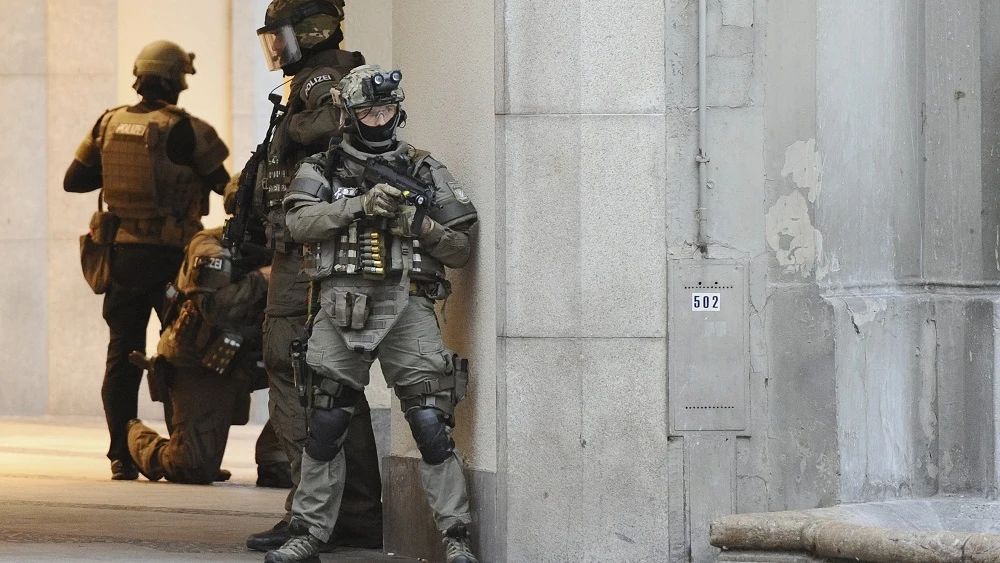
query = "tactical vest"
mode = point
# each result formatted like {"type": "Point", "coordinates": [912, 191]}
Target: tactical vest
{"type": "Point", "coordinates": [274, 177]}
{"type": "Point", "coordinates": [367, 248]}
{"type": "Point", "coordinates": [158, 201]}
{"type": "Point", "coordinates": [190, 338]}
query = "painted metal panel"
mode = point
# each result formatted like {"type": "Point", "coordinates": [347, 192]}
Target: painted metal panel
{"type": "Point", "coordinates": [707, 324]}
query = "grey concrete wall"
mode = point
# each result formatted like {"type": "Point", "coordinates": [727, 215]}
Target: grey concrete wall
{"type": "Point", "coordinates": [584, 151]}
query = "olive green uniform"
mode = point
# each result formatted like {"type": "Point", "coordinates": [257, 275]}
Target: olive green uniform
{"type": "Point", "coordinates": [376, 299]}
{"type": "Point", "coordinates": [218, 322]}
{"type": "Point", "coordinates": [312, 120]}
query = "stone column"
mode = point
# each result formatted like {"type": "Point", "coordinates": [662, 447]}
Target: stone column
{"type": "Point", "coordinates": [582, 204]}
{"type": "Point", "coordinates": [82, 85]}
{"type": "Point", "coordinates": [23, 221]}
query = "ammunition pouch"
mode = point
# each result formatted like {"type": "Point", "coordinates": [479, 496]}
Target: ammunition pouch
{"type": "Point", "coordinates": [221, 352]}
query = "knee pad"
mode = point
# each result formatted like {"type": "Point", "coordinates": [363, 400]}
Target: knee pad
{"type": "Point", "coordinates": [431, 434]}
{"type": "Point", "coordinates": [327, 429]}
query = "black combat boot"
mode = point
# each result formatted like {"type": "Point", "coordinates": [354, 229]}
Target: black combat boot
{"type": "Point", "coordinates": [124, 470]}
{"type": "Point", "coordinates": [458, 545]}
{"type": "Point", "coordinates": [269, 539]}
{"type": "Point", "coordinates": [274, 475]}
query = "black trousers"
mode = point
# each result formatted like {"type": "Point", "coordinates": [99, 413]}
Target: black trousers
{"type": "Point", "coordinates": [139, 274]}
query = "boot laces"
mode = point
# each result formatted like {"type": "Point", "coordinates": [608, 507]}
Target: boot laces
{"type": "Point", "coordinates": [299, 547]}
{"type": "Point", "coordinates": [458, 545]}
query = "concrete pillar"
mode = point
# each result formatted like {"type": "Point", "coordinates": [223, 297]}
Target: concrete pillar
{"type": "Point", "coordinates": [23, 221]}
{"type": "Point", "coordinates": [583, 148]}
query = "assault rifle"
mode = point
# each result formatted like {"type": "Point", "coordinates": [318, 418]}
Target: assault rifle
{"type": "Point", "coordinates": [235, 229]}
{"type": "Point", "coordinates": [378, 170]}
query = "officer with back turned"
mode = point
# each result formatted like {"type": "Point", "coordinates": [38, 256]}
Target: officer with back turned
{"type": "Point", "coordinates": [156, 165]}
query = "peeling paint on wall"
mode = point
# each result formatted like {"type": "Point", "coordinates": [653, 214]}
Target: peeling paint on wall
{"type": "Point", "coordinates": [802, 162]}
{"type": "Point", "coordinates": [791, 235]}
{"type": "Point", "coordinates": [866, 309]}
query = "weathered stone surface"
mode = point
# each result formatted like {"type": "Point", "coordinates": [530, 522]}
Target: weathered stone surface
{"type": "Point", "coordinates": [873, 532]}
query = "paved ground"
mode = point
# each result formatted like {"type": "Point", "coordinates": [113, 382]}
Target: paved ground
{"type": "Point", "coordinates": [57, 503]}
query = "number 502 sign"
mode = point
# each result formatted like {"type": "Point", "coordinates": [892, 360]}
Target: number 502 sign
{"type": "Point", "coordinates": [705, 302]}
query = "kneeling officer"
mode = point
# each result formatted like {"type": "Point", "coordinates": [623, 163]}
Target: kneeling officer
{"type": "Point", "coordinates": [205, 350]}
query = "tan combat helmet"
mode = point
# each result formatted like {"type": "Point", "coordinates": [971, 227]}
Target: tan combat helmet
{"type": "Point", "coordinates": [166, 60]}
{"type": "Point", "coordinates": [291, 26]}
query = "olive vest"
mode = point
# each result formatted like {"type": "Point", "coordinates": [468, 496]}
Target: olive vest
{"type": "Point", "coordinates": [159, 202]}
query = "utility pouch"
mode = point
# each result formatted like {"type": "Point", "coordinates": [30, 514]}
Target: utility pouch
{"type": "Point", "coordinates": [342, 310]}
{"type": "Point", "coordinates": [104, 227]}
{"type": "Point", "coordinates": [359, 312]}
{"type": "Point", "coordinates": [350, 310]}
{"type": "Point", "coordinates": [220, 354]}
{"type": "Point", "coordinates": [460, 369]}
{"type": "Point", "coordinates": [300, 370]}
{"type": "Point", "coordinates": [96, 247]}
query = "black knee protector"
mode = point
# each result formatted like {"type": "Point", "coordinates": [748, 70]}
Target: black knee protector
{"type": "Point", "coordinates": [327, 428]}
{"type": "Point", "coordinates": [431, 434]}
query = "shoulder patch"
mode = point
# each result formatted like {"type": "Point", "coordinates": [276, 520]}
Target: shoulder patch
{"type": "Point", "coordinates": [210, 262]}
{"type": "Point", "coordinates": [456, 189]}
{"type": "Point", "coordinates": [314, 81]}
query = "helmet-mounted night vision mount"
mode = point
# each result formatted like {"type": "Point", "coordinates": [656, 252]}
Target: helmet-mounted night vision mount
{"type": "Point", "coordinates": [278, 38]}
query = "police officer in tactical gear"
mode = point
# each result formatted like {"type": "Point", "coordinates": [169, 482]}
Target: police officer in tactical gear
{"type": "Point", "coordinates": [207, 363]}
{"type": "Point", "coordinates": [380, 263]}
{"type": "Point", "coordinates": [156, 165]}
{"type": "Point", "coordinates": [302, 38]}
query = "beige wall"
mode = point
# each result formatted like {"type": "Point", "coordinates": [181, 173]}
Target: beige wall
{"type": "Point", "coordinates": [449, 102]}
{"type": "Point", "coordinates": [82, 66]}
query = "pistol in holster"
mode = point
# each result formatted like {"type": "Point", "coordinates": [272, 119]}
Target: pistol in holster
{"type": "Point", "coordinates": [159, 374]}
{"type": "Point", "coordinates": [301, 371]}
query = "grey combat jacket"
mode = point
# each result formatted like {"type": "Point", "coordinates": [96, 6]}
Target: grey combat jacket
{"type": "Point", "coordinates": [319, 211]}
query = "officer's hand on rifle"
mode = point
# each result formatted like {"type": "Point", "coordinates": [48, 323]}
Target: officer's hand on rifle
{"type": "Point", "coordinates": [382, 200]}
{"type": "Point", "coordinates": [402, 224]}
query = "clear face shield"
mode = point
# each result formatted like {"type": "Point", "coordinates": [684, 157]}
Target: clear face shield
{"type": "Point", "coordinates": [280, 46]}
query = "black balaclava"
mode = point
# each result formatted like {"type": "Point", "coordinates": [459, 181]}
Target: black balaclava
{"type": "Point", "coordinates": [378, 140]}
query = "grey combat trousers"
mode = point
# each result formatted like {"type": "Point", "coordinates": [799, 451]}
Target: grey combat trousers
{"type": "Point", "coordinates": [412, 352]}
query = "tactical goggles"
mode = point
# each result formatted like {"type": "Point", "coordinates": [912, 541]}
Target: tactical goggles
{"type": "Point", "coordinates": [281, 46]}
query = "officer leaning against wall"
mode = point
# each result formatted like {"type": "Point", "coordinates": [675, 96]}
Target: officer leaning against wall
{"type": "Point", "coordinates": [206, 363]}
{"type": "Point", "coordinates": [156, 165]}
{"type": "Point", "coordinates": [378, 254]}
{"type": "Point", "coordinates": [302, 38]}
